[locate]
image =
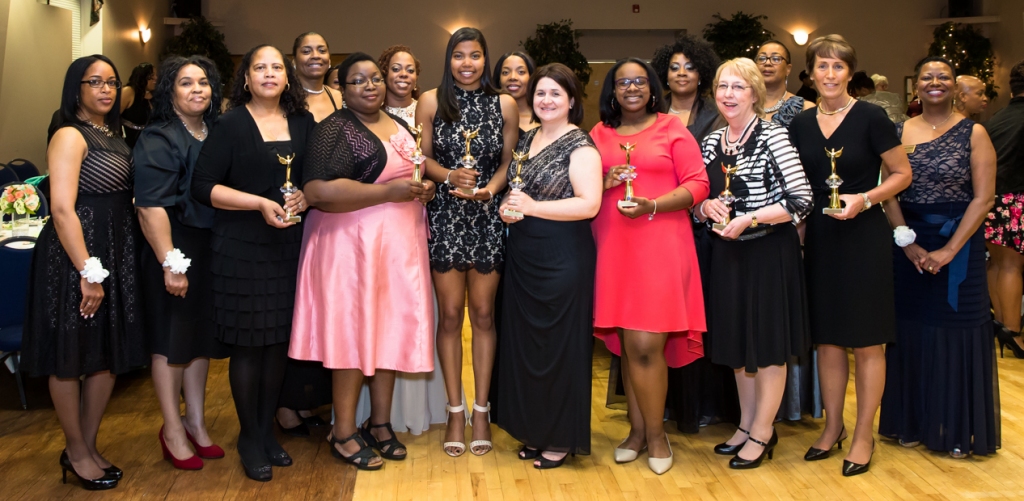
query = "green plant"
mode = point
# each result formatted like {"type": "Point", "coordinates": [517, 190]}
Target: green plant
{"type": "Point", "coordinates": [199, 37]}
{"type": "Point", "coordinates": [557, 43]}
{"type": "Point", "coordinates": [739, 36]}
{"type": "Point", "coordinates": [968, 50]}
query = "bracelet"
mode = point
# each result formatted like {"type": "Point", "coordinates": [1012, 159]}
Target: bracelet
{"type": "Point", "coordinates": [651, 216]}
{"type": "Point", "coordinates": [449, 176]}
{"type": "Point", "coordinates": [701, 209]}
{"type": "Point", "coordinates": [93, 271]}
{"type": "Point", "coordinates": [867, 202]}
{"type": "Point", "coordinates": [176, 261]}
{"type": "Point", "coordinates": [903, 235]}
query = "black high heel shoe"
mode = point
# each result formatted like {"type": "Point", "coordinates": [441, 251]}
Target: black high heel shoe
{"type": "Point", "coordinates": [544, 463]}
{"type": "Point", "coordinates": [814, 454]}
{"type": "Point", "coordinates": [114, 472]}
{"type": "Point", "coordinates": [1006, 338]}
{"type": "Point", "coordinates": [100, 484]}
{"type": "Point", "coordinates": [850, 468]}
{"type": "Point", "coordinates": [738, 463]}
{"type": "Point", "coordinates": [730, 450]}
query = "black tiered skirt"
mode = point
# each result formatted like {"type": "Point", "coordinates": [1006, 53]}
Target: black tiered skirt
{"type": "Point", "coordinates": [254, 268]}
{"type": "Point", "coordinates": [941, 384]}
{"type": "Point", "coordinates": [57, 340]}
{"type": "Point", "coordinates": [546, 342]}
{"type": "Point", "coordinates": [181, 329]}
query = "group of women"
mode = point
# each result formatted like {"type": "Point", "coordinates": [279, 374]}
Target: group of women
{"type": "Point", "coordinates": [305, 233]}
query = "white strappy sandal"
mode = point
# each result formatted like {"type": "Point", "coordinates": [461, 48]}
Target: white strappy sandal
{"type": "Point", "coordinates": [460, 446]}
{"type": "Point", "coordinates": [482, 443]}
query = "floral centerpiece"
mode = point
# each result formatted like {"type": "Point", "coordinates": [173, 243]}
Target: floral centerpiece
{"type": "Point", "coordinates": [19, 200]}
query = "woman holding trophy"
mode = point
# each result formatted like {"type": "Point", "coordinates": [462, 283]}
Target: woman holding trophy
{"type": "Point", "coordinates": [844, 143]}
{"type": "Point", "coordinates": [247, 170]}
{"type": "Point", "coordinates": [757, 303]}
{"type": "Point", "coordinates": [471, 131]}
{"type": "Point", "coordinates": [648, 307]}
{"type": "Point", "coordinates": [548, 296]}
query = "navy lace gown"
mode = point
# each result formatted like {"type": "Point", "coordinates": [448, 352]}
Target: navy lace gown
{"type": "Point", "coordinates": [941, 386]}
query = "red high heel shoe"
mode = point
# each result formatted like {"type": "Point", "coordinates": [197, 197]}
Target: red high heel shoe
{"type": "Point", "coordinates": [192, 463]}
{"type": "Point", "coordinates": [211, 452]}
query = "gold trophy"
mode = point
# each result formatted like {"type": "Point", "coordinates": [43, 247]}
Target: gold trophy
{"type": "Point", "coordinates": [833, 181]}
{"type": "Point", "coordinates": [627, 200]}
{"type": "Point", "coordinates": [288, 187]}
{"type": "Point", "coordinates": [517, 183]}
{"type": "Point", "coordinates": [417, 157]}
{"type": "Point", "coordinates": [467, 161]}
{"type": "Point", "coordinates": [726, 197]}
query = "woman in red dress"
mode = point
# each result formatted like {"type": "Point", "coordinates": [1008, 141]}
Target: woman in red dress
{"type": "Point", "coordinates": [647, 288]}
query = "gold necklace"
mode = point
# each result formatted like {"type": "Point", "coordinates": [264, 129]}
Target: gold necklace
{"type": "Point", "coordinates": [821, 109]}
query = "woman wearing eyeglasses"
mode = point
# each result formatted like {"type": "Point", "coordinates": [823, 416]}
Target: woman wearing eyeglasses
{"type": "Point", "coordinates": [648, 305]}
{"type": "Point", "coordinates": [781, 106]}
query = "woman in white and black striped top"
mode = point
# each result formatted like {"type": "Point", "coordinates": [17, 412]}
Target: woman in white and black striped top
{"type": "Point", "coordinates": [758, 307]}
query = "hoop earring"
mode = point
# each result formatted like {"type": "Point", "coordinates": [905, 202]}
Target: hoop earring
{"type": "Point", "coordinates": [245, 87]}
{"type": "Point", "coordinates": [614, 102]}
{"type": "Point", "coordinates": [288, 86]}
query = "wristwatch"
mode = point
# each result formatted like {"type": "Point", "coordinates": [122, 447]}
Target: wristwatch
{"type": "Point", "coordinates": [753, 220]}
{"type": "Point", "coordinates": [867, 202]}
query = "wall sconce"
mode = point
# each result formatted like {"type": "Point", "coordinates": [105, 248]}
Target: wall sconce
{"type": "Point", "coordinates": [800, 37]}
{"type": "Point", "coordinates": [144, 35]}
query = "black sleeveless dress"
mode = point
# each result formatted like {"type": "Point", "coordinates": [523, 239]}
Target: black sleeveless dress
{"type": "Point", "coordinates": [135, 118]}
{"type": "Point", "coordinates": [57, 340]}
{"type": "Point", "coordinates": [546, 342]}
{"type": "Point", "coordinates": [466, 234]}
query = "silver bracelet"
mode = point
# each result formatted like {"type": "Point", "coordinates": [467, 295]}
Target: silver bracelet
{"type": "Point", "coordinates": [651, 216]}
{"type": "Point", "coordinates": [449, 176]}
{"type": "Point", "coordinates": [701, 209]}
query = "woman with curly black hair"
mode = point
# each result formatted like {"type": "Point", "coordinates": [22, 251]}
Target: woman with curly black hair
{"type": "Point", "coordinates": [175, 263]}
{"type": "Point", "coordinates": [686, 68]}
{"type": "Point", "coordinates": [240, 172]}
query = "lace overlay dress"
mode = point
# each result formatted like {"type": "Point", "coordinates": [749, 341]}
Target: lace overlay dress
{"type": "Point", "coordinates": [545, 345]}
{"type": "Point", "coordinates": [941, 386]}
{"type": "Point", "coordinates": [466, 234]}
{"type": "Point", "coordinates": [57, 340]}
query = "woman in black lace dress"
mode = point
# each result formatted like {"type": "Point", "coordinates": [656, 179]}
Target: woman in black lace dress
{"type": "Point", "coordinates": [548, 297]}
{"type": "Point", "coordinates": [466, 247]}
{"type": "Point", "coordinates": [940, 385]}
{"type": "Point", "coordinates": [84, 314]}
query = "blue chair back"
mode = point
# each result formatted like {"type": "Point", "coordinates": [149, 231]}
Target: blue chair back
{"type": "Point", "coordinates": [7, 175]}
{"type": "Point", "coordinates": [23, 168]}
{"type": "Point", "coordinates": [14, 268]}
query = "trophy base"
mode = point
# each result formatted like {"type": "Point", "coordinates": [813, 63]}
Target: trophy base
{"type": "Point", "coordinates": [466, 192]}
{"type": "Point", "coordinates": [626, 205]}
{"type": "Point", "coordinates": [719, 226]}
{"type": "Point", "coordinates": [829, 210]}
{"type": "Point", "coordinates": [513, 213]}
{"type": "Point", "coordinates": [293, 218]}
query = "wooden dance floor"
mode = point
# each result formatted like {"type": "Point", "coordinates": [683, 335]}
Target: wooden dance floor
{"type": "Point", "coordinates": [30, 442]}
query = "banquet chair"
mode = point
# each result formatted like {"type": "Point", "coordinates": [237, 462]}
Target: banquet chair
{"type": "Point", "coordinates": [15, 263]}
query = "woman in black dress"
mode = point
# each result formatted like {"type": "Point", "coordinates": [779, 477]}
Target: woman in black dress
{"type": "Point", "coordinates": [513, 71]}
{"type": "Point", "coordinates": [466, 244]}
{"type": "Point", "coordinates": [83, 313]}
{"type": "Point", "coordinates": [756, 302]}
{"type": "Point", "coordinates": [546, 347]}
{"type": "Point", "coordinates": [175, 274]}
{"type": "Point", "coordinates": [137, 102]}
{"type": "Point", "coordinates": [848, 256]}
{"type": "Point", "coordinates": [941, 389]}
{"type": "Point", "coordinates": [240, 172]}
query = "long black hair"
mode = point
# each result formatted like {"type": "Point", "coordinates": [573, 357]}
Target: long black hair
{"type": "Point", "coordinates": [293, 99]}
{"type": "Point", "coordinates": [163, 95]}
{"type": "Point", "coordinates": [611, 112]}
{"type": "Point", "coordinates": [70, 95]}
{"type": "Point", "coordinates": [447, 104]}
{"type": "Point", "coordinates": [698, 51]}
{"type": "Point", "coordinates": [139, 78]}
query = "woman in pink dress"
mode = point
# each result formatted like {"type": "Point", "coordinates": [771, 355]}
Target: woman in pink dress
{"type": "Point", "coordinates": [363, 300]}
{"type": "Point", "coordinates": [647, 288]}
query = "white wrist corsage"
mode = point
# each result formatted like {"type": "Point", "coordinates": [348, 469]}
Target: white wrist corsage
{"type": "Point", "coordinates": [176, 261]}
{"type": "Point", "coordinates": [93, 271]}
{"type": "Point", "coordinates": [904, 236]}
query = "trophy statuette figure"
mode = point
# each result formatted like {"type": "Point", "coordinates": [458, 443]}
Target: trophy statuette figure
{"type": "Point", "coordinates": [517, 183]}
{"type": "Point", "coordinates": [726, 197]}
{"type": "Point", "coordinates": [288, 188]}
{"type": "Point", "coordinates": [417, 157]}
{"type": "Point", "coordinates": [833, 181]}
{"type": "Point", "coordinates": [627, 199]}
{"type": "Point", "coordinates": [467, 161]}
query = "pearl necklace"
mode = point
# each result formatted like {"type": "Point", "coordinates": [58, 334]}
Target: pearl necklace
{"type": "Point", "coordinates": [673, 111]}
{"type": "Point", "coordinates": [936, 126]}
{"type": "Point", "coordinates": [821, 109]}
{"type": "Point", "coordinates": [314, 92]}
